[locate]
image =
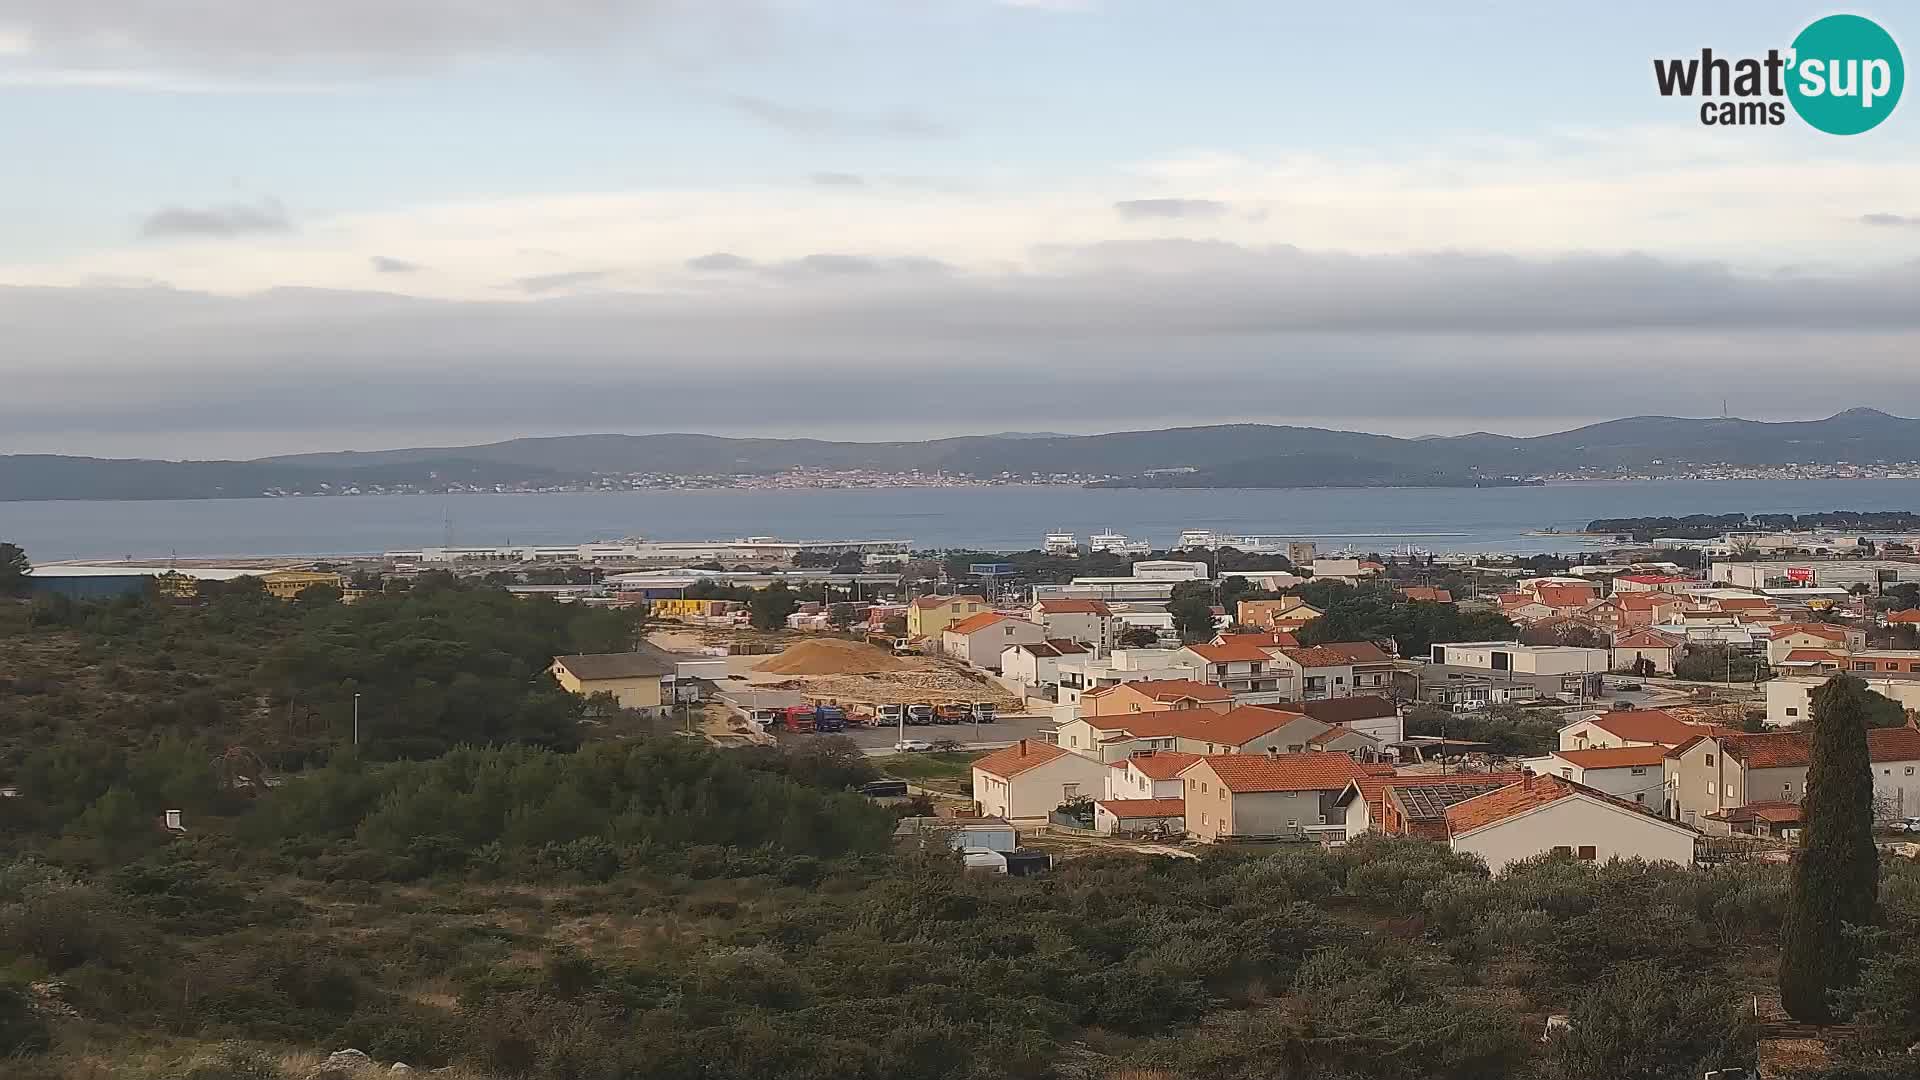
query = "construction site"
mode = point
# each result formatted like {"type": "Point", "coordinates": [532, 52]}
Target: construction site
{"type": "Point", "coordinates": [854, 675]}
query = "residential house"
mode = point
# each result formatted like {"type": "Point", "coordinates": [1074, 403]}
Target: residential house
{"type": "Point", "coordinates": [1248, 670]}
{"type": "Point", "coordinates": [1339, 669]}
{"type": "Point", "coordinates": [1347, 570]}
{"type": "Point", "coordinates": [1148, 774]}
{"type": "Point", "coordinates": [1630, 727]}
{"type": "Point", "coordinates": [1030, 779]}
{"type": "Point", "coordinates": [958, 833]}
{"type": "Point", "coordinates": [1414, 805]}
{"type": "Point", "coordinates": [1357, 745]}
{"type": "Point", "coordinates": [1646, 652]}
{"type": "Point", "coordinates": [1246, 730]}
{"type": "Point", "coordinates": [1790, 697]}
{"type": "Point", "coordinates": [1372, 714]}
{"type": "Point", "coordinates": [289, 584]}
{"type": "Point", "coordinates": [1626, 612]}
{"type": "Point", "coordinates": [1772, 819]}
{"type": "Point", "coordinates": [929, 616]}
{"type": "Point", "coordinates": [1133, 817]}
{"type": "Point", "coordinates": [1259, 795]}
{"type": "Point", "coordinates": [981, 640]}
{"type": "Point", "coordinates": [1711, 773]}
{"type": "Point", "coordinates": [1037, 664]}
{"type": "Point", "coordinates": [1269, 614]}
{"type": "Point", "coordinates": [1426, 594]}
{"type": "Point", "coordinates": [641, 680]}
{"type": "Point", "coordinates": [1637, 774]}
{"type": "Point", "coordinates": [1541, 814]}
{"type": "Point", "coordinates": [1080, 675]}
{"type": "Point", "coordinates": [1089, 622]}
{"type": "Point", "coordinates": [1867, 663]}
{"type": "Point", "coordinates": [1787, 637]}
{"type": "Point", "coordinates": [1908, 617]}
{"type": "Point", "coordinates": [1157, 695]}
{"type": "Point", "coordinates": [1652, 583]}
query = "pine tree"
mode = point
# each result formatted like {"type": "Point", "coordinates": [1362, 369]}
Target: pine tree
{"type": "Point", "coordinates": [1836, 878]}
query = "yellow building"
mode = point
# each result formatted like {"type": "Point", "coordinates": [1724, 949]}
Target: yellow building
{"type": "Point", "coordinates": [681, 609]}
{"type": "Point", "coordinates": [929, 616]}
{"type": "Point", "coordinates": [637, 680]}
{"type": "Point", "coordinates": [173, 583]}
{"type": "Point", "coordinates": [288, 584]}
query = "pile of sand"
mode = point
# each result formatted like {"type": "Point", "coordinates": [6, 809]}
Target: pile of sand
{"type": "Point", "coordinates": [831, 656]}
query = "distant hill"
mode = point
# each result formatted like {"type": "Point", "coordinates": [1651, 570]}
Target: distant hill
{"type": "Point", "coordinates": [1225, 455]}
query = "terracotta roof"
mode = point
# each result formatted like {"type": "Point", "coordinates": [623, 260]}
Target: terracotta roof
{"type": "Point", "coordinates": [1375, 790]}
{"type": "Point", "coordinates": [1910, 615]}
{"type": "Point", "coordinates": [1824, 630]}
{"type": "Point", "coordinates": [1614, 757]}
{"type": "Point", "coordinates": [1794, 749]}
{"type": "Point", "coordinates": [1335, 733]}
{"type": "Point", "coordinates": [1743, 603]}
{"type": "Point", "coordinates": [1075, 607]}
{"type": "Point", "coordinates": [1237, 652]}
{"type": "Point", "coordinates": [1775, 812]}
{"type": "Point", "coordinates": [591, 667]}
{"type": "Point", "coordinates": [973, 623]}
{"type": "Point", "coordinates": [1358, 652]}
{"type": "Point", "coordinates": [1344, 710]}
{"type": "Point", "coordinates": [1427, 593]}
{"type": "Point", "coordinates": [1530, 793]}
{"type": "Point", "coordinates": [1814, 655]}
{"type": "Point", "coordinates": [1233, 728]}
{"type": "Point", "coordinates": [1143, 808]}
{"type": "Point", "coordinates": [1252, 773]}
{"type": "Point", "coordinates": [1645, 639]}
{"type": "Point", "coordinates": [1564, 596]}
{"type": "Point", "coordinates": [1160, 764]}
{"type": "Point", "coordinates": [924, 602]}
{"type": "Point", "coordinates": [1644, 601]}
{"type": "Point", "coordinates": [1167, 690]}
{"type": "Point", "coordinates": [1269, 639]}
{"type": "Point", "coordinates": [1009, 762]}
{"type": "Point", "coordinates": [1649, 726]}
{"type": "Point", "coordinates": [1337, 654]}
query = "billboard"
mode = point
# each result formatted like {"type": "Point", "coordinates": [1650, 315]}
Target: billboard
{"type": "Point", "coordinates": [990, 569]}
{"type": "Point", "coordinates": [1801, 574]}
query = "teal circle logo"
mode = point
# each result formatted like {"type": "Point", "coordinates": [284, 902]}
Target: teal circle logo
{"type": "Point", "coordinates": [1846, 76]}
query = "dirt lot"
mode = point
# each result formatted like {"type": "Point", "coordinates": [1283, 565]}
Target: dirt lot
{"type": "Point", "coordinates": [934, 680]}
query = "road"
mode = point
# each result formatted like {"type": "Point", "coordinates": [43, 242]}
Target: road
{"type": "Point", "coordinates": [1002, 732]}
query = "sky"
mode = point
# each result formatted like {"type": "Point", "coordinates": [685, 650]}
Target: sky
{"type": "Point", "coordinates": [235, 228]}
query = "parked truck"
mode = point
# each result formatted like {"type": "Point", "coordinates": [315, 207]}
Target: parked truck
{"type": "Point", "coordinates": [920, 714]}
{"type": "Point", "coordinates": [829, 718]}
{"type": "Point", "coordinates": [800, 719]}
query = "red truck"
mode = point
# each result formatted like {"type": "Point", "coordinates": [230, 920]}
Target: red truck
{"type": "Point", "coordinates": [799, 719]}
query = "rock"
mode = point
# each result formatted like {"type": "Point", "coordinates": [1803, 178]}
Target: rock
{"type": "Point", "coordinates": [400, 1067]}
{"type": "Point", "coordinates": [339, 1065]}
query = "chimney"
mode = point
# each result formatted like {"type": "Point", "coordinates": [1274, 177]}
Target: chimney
{"type": "Point", "coordinates": [1023, 748]}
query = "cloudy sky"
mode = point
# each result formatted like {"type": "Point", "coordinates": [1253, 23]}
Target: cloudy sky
{"type": "Point", "coordinates": [240, 227]}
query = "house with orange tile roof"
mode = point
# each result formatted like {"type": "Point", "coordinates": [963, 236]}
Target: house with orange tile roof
{"type": "Point", "coordinates": [1711, 773]}
{"type": "Point", "coordinates": [1132, 817]}
{"type": "Point", "coordinates": [1426, 594]}
{"type": "Point", "coordinates": [1908, 617]}
{"type": "Point", "coordinates": [1637, 774]}
{"type": "Point", "coordinates": [1148, 774]}
{"type": "Point", "coordinates": [1245, 730]}
{"type": "Point", "coordinates": [1629, 727]}
{"type": "Point", "coordinates": [1787, 637]}
{"type": "Point", "coordinates": [1089, 622]}
{"type": "Point", "coordinates": [928, 616]}
{"type": "Point", "coordinates": [1030, 779]}
{"type": "Point", "coordinates": [1646, 652]}
{"type": "Point", "coordinates": [1266, 614]}
{"type": "Point", "coordinates": [1249, 670]}
{"type": "Point", "coordinates": [1551, 814]}
{"type": "Point", "coordinates": [1414, 804]}
{"type": "Point", "coordinates": [1154, 695]}
{"type": "Point", "coordinates": [979, 640]}
{"type": "Point", "coordinates": [1267, 795]}
{"type": "Point", "coordinates": [1338, 669]}
{"type": "Point", "coordinates": [1628, 611]}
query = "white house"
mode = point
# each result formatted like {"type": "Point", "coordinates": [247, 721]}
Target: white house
{"type": "Point", "coordinates": [1089, 622]}
{"type": "Point", "coordinates": [1522, 659]}
{"type": "Point", "coordinates": [1372, 715]}
{"type": "Point", "coordinates": [1080, 674]}
{"type": "Point", "coordinates": [1637, 774]}
{"type": "Point", "coordinates": [1645, 651]}
{"type": "Point", "coordinates": [1148, 774]}
{"type": "Point", "coordinates": [1542, 814]}
{"type": "Point", "coordinates": [1029, 779]}
{"type": "Point", "coordinates": [1630, 727]}
{"type": "Point", "coordinates": [1037, 663]}
{"type": "Point", "coordinates": [1790, 697]}
{"type": "Point", "coordinates": [980, 640]}
{"type": "Point", "coordinates": [1123, 817]}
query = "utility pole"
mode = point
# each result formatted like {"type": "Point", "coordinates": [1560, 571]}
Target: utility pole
{"type": "Point", "coordinates": [356, 720]}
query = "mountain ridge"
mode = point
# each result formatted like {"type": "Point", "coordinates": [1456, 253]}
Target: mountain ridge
{"type": "Point", "coordinates": [1218, 455]}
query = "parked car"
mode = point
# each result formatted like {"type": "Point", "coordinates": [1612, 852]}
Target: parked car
{"type": "Point", "coordinates": [912, 746]}
{"type": "Point", "coordinates": [1911, 825]}
{"type": "Point", "coordinates": [920, 714]}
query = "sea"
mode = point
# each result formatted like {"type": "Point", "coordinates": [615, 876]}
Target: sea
{"type": "Point", "coordinates": [1515, 520]}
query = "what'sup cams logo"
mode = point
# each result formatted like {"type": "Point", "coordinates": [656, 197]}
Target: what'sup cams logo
{"type": "Point", "coordinates": [1842, 75]}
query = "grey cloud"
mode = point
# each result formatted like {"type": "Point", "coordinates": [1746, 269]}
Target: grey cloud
{"type": "Point", "coordinates": [1170, 209]}
{"type": "Point", "coordinates": [813, 120]}
{"type": "Point", "coordinates": [837, 179]}
{"type": "Point", "coordinates": [1895, 220]}
{"type": "Point", "coordinates": [546, 283]}
{"type": "Point", "coordinates": [386, 264]}
{"type": "Point", "coordinates": [233, 219]}
{"type": "Point", "coordinates": [720, 261]}
{"type": "Point", "coordinates": [1147, 332]}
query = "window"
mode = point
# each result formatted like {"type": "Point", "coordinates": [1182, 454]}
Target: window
{"type": "Point", "coordinates": [1909, 770]}
{"type": "Point", "coordinates": [1073, 740]}
{"type": "Point", "coordinates": [1640, 796]}
{"type": "Point", "coordinates": [1709, 787]}
{"type": "Point", "coordinates": [1223, 794]}
{"type": "Point", "coordinates": [1637, 770]}
{"type": "Point", "coordinates": [1293, 823]}
{"type": "Point", "coordinates": [1071, 791]}
{"type": "Point", "coordinates": [1709, 760]}
{"type": "Point", "coordinates": [1323, 819]}
{"type": "Point", "coordinates": [1562, 849]}
{"type": "Point", "coordinates": [1787, 787]}
{"type": "Point", "coordinates": [1588, 853]}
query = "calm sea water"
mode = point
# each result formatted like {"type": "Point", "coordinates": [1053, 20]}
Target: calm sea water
{"type": "Point", "coordinates": [1004, 518]}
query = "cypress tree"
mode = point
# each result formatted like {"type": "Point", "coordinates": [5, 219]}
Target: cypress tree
{"type": "Point", "coordinates": [1836, 878]}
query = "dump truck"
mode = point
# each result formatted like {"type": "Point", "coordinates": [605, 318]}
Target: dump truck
{"type": "Point", "coordinates": [799, 719]}
{"type": "Point", "coordinates": [829, 718]}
